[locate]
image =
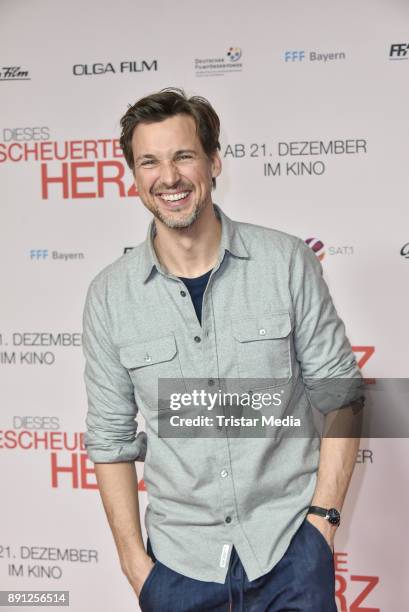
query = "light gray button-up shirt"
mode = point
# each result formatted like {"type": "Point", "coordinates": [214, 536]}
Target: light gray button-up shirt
{"type": "Point", "coordinates": [266, 313]}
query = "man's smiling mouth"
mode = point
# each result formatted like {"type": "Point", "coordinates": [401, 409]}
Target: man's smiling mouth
{"type": "Point", "coordinates": [174, 197]}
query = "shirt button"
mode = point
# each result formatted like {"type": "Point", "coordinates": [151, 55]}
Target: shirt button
{"type": "Point", "coordinates": [183, 293]}
{"type": "Point", "coordinates": [224, 473]}
{"type": "Point", "coordinates": [197, 339]}
{"type": "Point", "coordinates": [210, 382]}
{"type": "Point", "coordinates": [262, 332]}
{"type": "Point", "coordinates": [228, 519]}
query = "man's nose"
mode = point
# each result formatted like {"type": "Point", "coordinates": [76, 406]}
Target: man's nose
{"type": "Point", "coordinates": [169, 173]}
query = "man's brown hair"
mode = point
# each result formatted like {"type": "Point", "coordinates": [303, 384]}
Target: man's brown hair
{"type": "Point", "coordinates": [167, 103]}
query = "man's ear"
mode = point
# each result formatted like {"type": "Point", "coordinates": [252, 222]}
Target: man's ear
{"type": "Point", "coordinates": [216, 165]}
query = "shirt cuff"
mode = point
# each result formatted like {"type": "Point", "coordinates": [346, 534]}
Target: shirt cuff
{"type": "Point", "coordinates": [333, 393]}
{"type": "Point", "coordinates": [129, 451]}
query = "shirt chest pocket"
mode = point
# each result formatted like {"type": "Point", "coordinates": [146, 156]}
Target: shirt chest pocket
{"type": "Point", "coordinates": [263, 348]}
{"type": "Point", "coordinates": [149, 361]}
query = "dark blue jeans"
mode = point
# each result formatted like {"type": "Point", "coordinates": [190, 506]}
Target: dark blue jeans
{"type": "Point", "coordinates": [302, 581]}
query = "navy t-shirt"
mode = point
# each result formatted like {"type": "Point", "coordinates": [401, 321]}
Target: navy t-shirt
{"type": "Point", "coordinates": [196, 287]}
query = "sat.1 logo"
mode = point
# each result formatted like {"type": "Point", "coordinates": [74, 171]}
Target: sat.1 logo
{"type": "Point", "coordinates": [317, 246]}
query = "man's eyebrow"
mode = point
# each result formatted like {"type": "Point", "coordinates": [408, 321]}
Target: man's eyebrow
{"type": "Point", "coordinates": [178, 152]}
{"type": "Point", "coordinates": [186, 151]}
{"type": "Point", "coordinates": [144, 156]}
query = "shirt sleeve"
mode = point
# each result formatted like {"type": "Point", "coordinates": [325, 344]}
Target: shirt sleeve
{"type": "Point", "coordinates": [111, 418]}
{"type": "Point", "coordinates": [328, 365]}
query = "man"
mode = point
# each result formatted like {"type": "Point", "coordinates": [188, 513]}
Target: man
{"type": "Point", "coordinates": [234, 523]}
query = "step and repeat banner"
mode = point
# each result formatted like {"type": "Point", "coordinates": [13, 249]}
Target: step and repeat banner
{"type": "Point", "coordinates": [313, 101]}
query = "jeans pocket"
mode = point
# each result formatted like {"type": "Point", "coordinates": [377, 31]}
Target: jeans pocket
{"type": "Point", "coordinates": [320, 537]}
{"type": "Point", "coordinates": [146, 585]}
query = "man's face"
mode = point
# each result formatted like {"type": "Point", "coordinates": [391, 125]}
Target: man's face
{"type": "Point", "coordinates": [173, 175]}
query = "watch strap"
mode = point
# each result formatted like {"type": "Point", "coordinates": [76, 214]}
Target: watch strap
{"type": "Point", "coordinates": [332, 515]}
{"type": "Point", "coordinates": [318, 510]}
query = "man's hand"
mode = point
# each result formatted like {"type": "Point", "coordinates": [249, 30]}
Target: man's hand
{"type": "Point", "coordinates": [327, 530]}
{"type": "Point", "coordinates": [138, 575]}
{"type": "Point", "coordinates": [118, 486]}
{"type": "Point", "coordinates": [337, 461]}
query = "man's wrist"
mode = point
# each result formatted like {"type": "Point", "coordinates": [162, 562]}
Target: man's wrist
{"type": "Point", "coordinates": [332, 515]}
{"type": "Point", "coordinates": [133, 565]}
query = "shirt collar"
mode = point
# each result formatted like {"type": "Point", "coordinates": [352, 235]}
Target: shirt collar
{"type": "Point", "coordinates": [231, 241]}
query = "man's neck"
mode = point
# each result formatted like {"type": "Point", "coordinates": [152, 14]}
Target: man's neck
{"type": "Point", "coordinates": [191, 251]}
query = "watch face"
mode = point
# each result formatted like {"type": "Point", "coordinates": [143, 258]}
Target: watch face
{"type": "Point", "coordinates": [334, 516]}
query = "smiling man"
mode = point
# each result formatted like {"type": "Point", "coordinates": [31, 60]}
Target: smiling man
{"type": "Point", "coordinates": [174, 185]}
{"type": "Point", "coordinates": [233, 523]}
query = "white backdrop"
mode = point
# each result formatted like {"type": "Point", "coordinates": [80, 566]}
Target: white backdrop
{"type": "Point", "coordinates": [288, 72]}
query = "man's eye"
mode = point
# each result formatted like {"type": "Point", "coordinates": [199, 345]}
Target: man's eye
{"type": "Point", "coordinates": [147, 162]}
{"type": "Point", "coordinates": [185, 156]}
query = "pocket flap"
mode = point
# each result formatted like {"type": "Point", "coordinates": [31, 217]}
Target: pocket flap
{"type": "Point", "coordinates": [148, 353]}
{"type": "Point", "coordinates": [263, 327]}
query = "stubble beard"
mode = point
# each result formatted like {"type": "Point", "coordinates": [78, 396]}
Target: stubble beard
{"type": "Point", "coordinates": [181, 222]}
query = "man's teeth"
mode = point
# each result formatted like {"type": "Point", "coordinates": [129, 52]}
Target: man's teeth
{"type": "Point", "coordinates": [174, 197]}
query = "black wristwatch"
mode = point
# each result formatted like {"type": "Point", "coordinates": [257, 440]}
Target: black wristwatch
{"type": "Point", "coordinates": [332, 515]}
